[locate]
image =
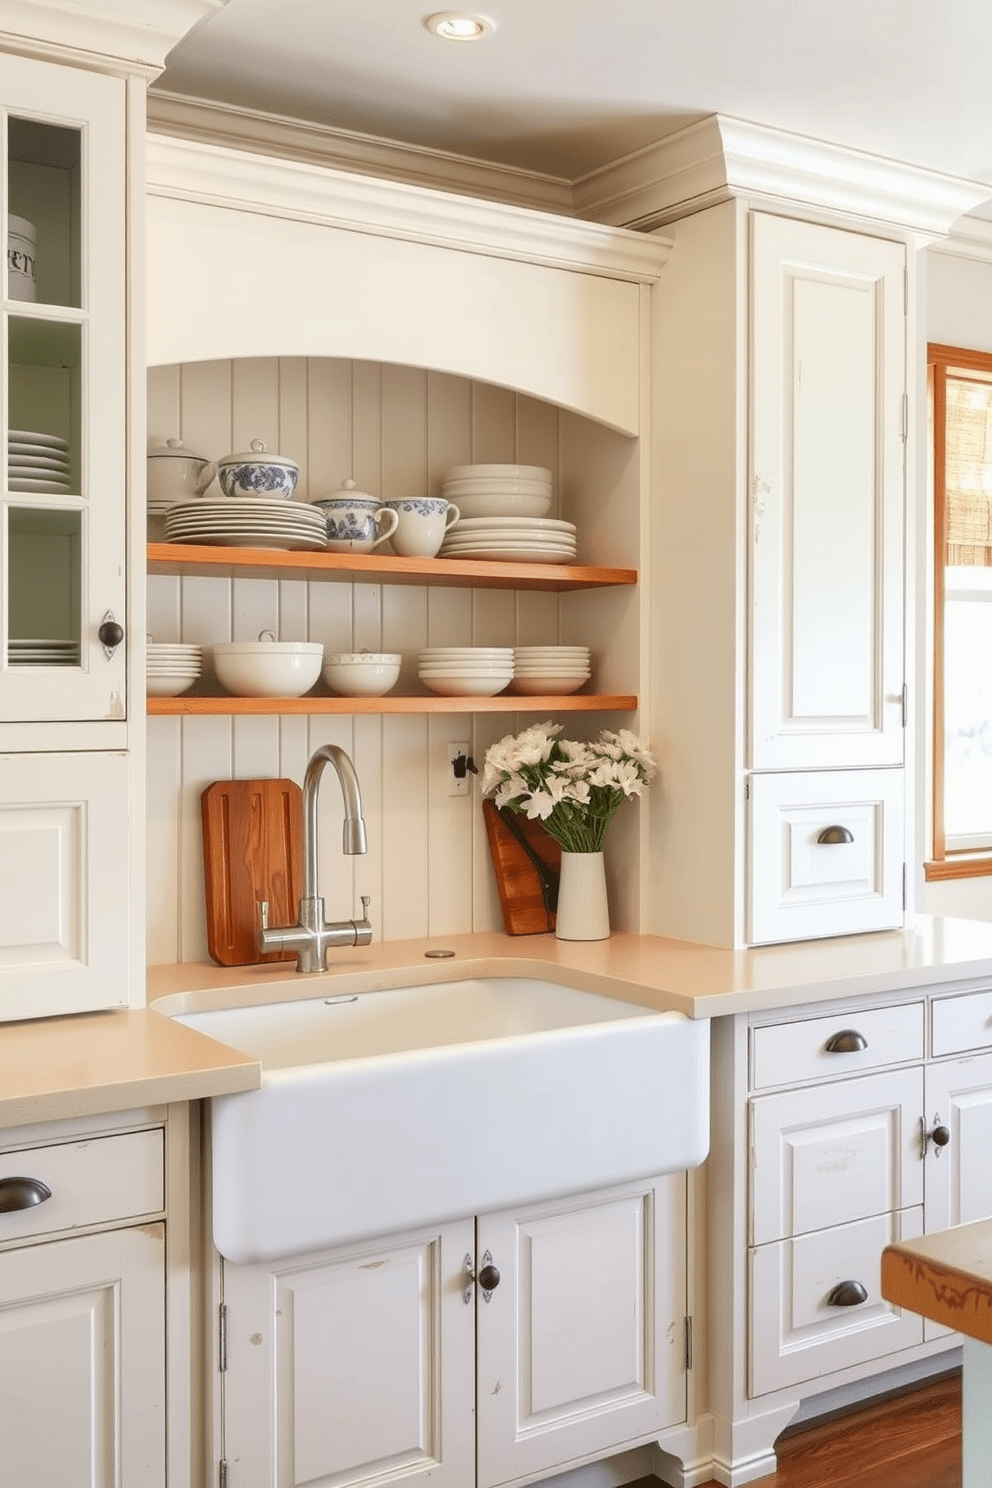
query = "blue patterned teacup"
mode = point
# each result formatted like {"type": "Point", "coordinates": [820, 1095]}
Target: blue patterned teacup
{"type": "Point", "coordinates": [422, 522]}
{"type": "Point", "coordinates": [356, 523]}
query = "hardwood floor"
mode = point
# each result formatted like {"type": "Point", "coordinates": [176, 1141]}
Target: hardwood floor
{"type": "Point", "coordinates": [912, 1440]}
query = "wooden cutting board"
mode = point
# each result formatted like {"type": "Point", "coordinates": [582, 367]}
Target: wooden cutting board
{"type": "Point", "coordinates": [517, 879]}
{"type": "Point", "coordinates": [252, 850]}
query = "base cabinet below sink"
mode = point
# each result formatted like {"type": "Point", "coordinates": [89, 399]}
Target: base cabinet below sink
{"type": "Point", "coordinates": [389, 1359]}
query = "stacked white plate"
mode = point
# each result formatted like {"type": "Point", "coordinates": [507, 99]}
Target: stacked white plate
{"type": "Point", "coordinates": [554, 670]}
{"type": "Point", "coordinates": [171, 668]}
{"type": "Point", "coordinates": [499, 490]}
{"type": "Point", "coordinates": [511, 539]}
{"type": "Point", "coordinates": [42, 653]}
{"type": "Point", "coordinates": [37, 462]}
{"type": "Point", "coordinates": [239, 522]}
{"type": "Point", "coordinates": [466, 671]}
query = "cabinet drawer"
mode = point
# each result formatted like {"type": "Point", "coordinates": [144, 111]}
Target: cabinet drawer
{"type": "Point", "coordinates": [801, 887]}
{"type": "Point", "coordinates": [835, 1153]}
{"type": "Point", "coordinates": [106, 1180]}
{"type": "Point", "coordinates": [797, 1052]}
{"type": "Point", "coordinates": [795, 1332]}
{"type": "Point", "coordinates": [961, 1023]}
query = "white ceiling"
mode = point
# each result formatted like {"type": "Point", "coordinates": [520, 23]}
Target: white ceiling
{"type": "Point", "coordinates": [565, 86]}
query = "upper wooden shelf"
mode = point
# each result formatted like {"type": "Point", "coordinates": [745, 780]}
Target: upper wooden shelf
{"type": "Point", "coordinates": [576, 702]}
{"type": "Point", "coordinates": [266, 563]}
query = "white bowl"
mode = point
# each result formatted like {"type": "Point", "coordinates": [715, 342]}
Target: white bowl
{"type": "Point", "coordinates": [465, 686]}
{"type": "Point", "coordinates": [559, 686]}
{"type": "Point", "coordinates": [492, 504]}
{"type": "Point", "coordinates": [467, 653]}
{"type": "Point", "coordinates": [501, 472]}
{"type": "Point", "coordinates": [466, 671]}
{"type": "Point", "coordinates": [268, 668]}
{"type": "Point", "coordinates": [168, 684]}
{"type": "Point", "coordinates": [362, 674]}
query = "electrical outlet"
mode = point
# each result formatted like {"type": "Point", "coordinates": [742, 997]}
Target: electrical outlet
{"type": "Point", "coordinates": [459, 785]}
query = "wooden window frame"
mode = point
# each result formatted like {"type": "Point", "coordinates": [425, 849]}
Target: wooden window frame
{"type": "Point", "coordinates": [966, 863]}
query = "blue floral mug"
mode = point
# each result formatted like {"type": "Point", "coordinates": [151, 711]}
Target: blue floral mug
{"type": "Point", "coordinates": [422, 522]}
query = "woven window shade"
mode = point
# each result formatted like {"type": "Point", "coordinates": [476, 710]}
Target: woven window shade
{"type": "Point", "coordinates": [968, 490]}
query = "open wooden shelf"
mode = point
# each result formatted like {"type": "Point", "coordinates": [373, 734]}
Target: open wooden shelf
{"type": "Point", "coordinates": [314, 567]}
{"type": "Point", "coordinates": [189, 707]}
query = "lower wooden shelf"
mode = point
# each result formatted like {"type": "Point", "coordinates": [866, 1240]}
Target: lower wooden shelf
{"type": "Point", "coordinates": [191, 707]}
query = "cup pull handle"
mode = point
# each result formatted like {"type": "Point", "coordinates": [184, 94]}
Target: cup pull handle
{"type": "Point", "coordinates": [831, 835]}
{"type": "Point", "coordinates": [847, 1041]}
{"type": "Point", "coordinates": [848, 1294]}
{"type": "Point", "coordinates": [22, 1193]}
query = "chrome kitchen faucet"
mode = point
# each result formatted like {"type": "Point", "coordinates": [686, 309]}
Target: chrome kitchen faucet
{"type": "Point", "coordinates": [311, 938]}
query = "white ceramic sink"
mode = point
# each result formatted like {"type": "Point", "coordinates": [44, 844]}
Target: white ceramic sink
{"type": "Point", "coordinates": [385, 1110]}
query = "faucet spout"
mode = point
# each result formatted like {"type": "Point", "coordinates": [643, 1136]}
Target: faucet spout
{"type": "Point", "coordinates": [354, 839]}
{"type": "Point", "coordinates": [311, 937]}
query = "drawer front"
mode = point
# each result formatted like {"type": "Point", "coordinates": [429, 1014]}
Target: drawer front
{"type": "Point", "coordinates": [959, 1024]}
{"type": "Point", "coordinates": [801, 886]}
{"type": "Point", "coordinates": [797, 1332]}
{"type": "Point", "coordinates": [835, 1153]}
{"type": "Point", "coordinates": [106, 1180]}
{"type": "Point", "coordinates": [795, 1053]}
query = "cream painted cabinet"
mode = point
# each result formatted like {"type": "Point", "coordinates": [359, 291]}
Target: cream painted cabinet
{"type": "Point", "coordinates": [856, 1126]}
{"type": "Point", "coordinates": [777, 574]}
{"type": "Point", "coordinates": [488, 1351]}
{"type": "Point", "coordinates": [82, 1312]}
{"type": "Point", "coordinates": [63, 497]}
{"type": "Point", "coordinates": [66, 783]}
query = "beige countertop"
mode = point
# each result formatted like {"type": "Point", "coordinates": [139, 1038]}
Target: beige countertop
{"type": "Point", "coordinates": [53, 1069]}
{"type": "Point", "coordinates": [946, 1277]}
{"type": "Point", "coordinates": [700, 981]}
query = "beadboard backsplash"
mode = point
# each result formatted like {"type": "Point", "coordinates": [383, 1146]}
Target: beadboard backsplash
{"type": "Point", "coordinates": [394, 430]}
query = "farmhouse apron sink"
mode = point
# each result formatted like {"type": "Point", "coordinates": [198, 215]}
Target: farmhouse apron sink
{"type": "Point", "coordinates": [383, 1110]}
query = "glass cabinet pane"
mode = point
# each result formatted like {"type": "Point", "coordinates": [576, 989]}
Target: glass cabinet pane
{"type": "Point", "coordinates": [43, 198]}
{"type": "Point", "coordinates": [44, 584]}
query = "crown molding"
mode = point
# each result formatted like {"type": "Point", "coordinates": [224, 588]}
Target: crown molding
{"type": "Point", "coordinates": [122, 34]}
{"type": "Point", "coordinates": [321, 144]}
{"type": "Point", "coordinates": [720, 158]}
{"type": "Point", "coordinates": [194, 171]}
{"type": "Point", "coordinates": [971, 237]}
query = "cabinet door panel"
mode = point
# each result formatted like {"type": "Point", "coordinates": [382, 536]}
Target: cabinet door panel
{"type": "Point", "coordinates": [581, 1346]}
{"type": "Point", "coordinates": [82, 1361]}
{"type": "Point", "coordinates": [835, 1153]}
{"type": "Point", "coordinates": [64, 867]}
{"type": "Point", "coordinates": [796, 1333]}
{"type": "Point", "coordinates": [827, 484]}
{"type": "Point", "coordinates": [352, 1366]}
{"type": "Point", "coordinates": [959, 1176]}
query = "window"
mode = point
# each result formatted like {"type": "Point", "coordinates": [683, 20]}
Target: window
{"type": "Point", "coordinates": [961, 412]}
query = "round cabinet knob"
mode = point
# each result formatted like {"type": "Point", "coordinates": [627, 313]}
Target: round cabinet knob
{"type": "Point", "coordinates": [848, 1294]}
{"type": "Point", "coordinates": [489, 1278]}
{"type": "Point", "coordinates": [110, 634]}
{"type": "Point", "coordinates": [941, 1136]}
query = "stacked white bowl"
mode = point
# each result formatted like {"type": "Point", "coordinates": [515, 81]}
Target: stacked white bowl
{"type": "Point", "coordinates": [362, 673]}
{"type": "Point", "coordinates": [555, 670]}
{"type": "Point", "coordinates": [171, 668]}
{"type": "Point", "coordinates": [267, 667]}
{"type": "Point", "coordinates": [499, 490]}
{"type": "Point", "coordinates": [466, 671]}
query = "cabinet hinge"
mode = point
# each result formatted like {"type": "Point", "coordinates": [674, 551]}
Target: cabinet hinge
{"type": "Point", "coordinates": [904, 887]}
{"type": "Point", "coordinates": [747, 790]}
{"type": "Point", "coordinates": [688, 1341]}
{"type": "Point", "coordinates": [905, 704]}
{"type": "Point", "coordinates": [905, 291]}
{"type": "Point", "coordinates": [905, 417]}
{"type": "Point", "coordinates": [222, 1337]}
{"type": "Point", "coordinates": [222, 1473]}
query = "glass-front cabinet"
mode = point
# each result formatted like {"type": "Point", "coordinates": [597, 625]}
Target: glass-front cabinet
{"type": "Point", "coordinates": [64, 405]}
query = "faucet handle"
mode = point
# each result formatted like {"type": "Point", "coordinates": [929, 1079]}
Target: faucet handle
{"type": "Point", "coordinates": [366, 901]}
{"type": "Point", "coordinates": [263, 914]}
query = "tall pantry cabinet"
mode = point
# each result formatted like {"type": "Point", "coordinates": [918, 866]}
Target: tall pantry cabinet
{"type": "Point", "coordinates": [72, 118]}
{"type": "Point", "coordinates": [778, 564]}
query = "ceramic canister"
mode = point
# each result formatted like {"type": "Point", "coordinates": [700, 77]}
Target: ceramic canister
{"type": "Point", "coordinates": [21, 282]}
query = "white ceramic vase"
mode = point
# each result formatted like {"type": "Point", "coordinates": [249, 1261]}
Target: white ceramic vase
{"type": "Point", "coordinates": [583, 910]}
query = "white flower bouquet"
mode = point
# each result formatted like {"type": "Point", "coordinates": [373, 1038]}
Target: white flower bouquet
{"type": "Point", "coordinates": [573, 788]}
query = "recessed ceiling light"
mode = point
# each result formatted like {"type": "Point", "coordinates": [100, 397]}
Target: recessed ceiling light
{"type": "Point", "coordinates": [459, 25]}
